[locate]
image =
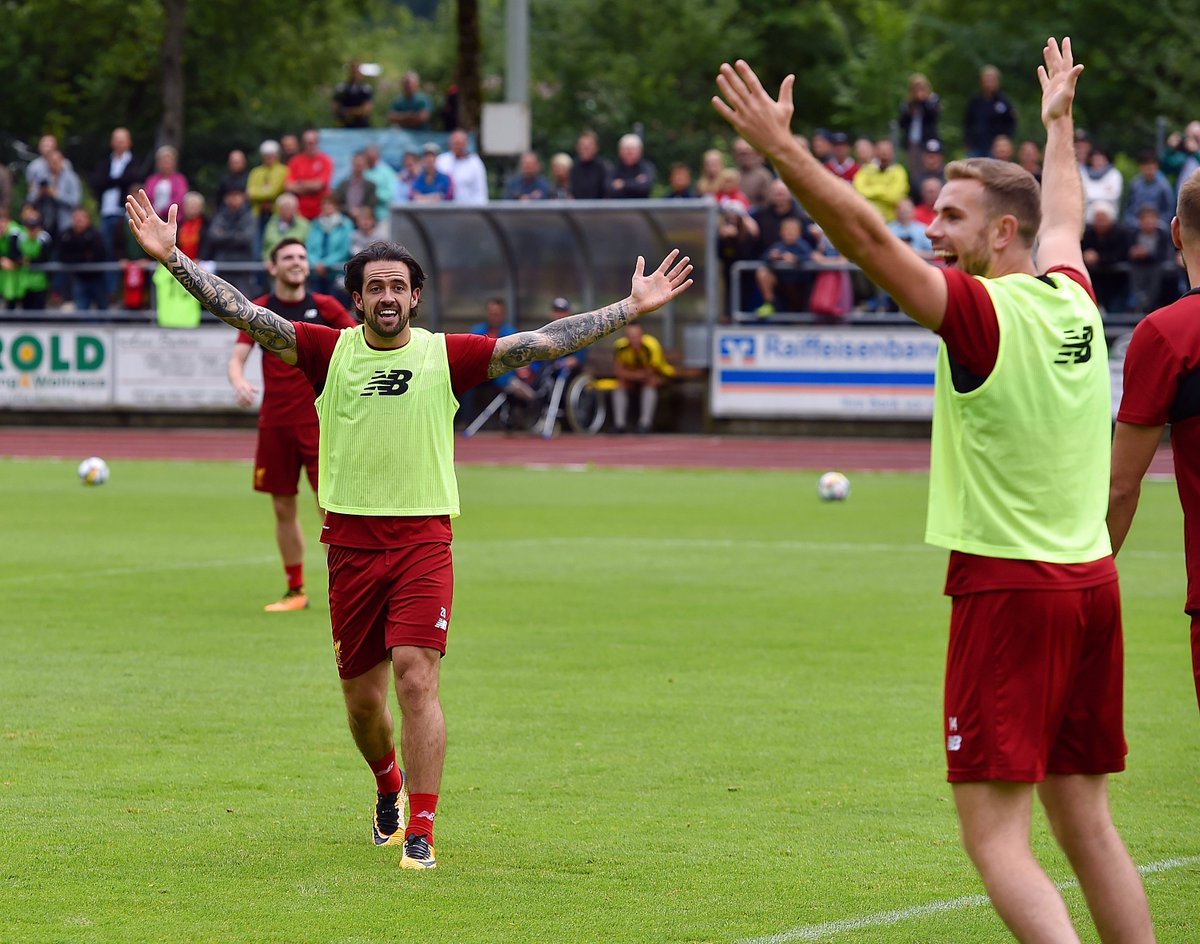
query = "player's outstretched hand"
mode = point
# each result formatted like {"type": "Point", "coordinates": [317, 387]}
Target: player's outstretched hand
{"type": "Point", "coordinates": [763, 121]}
{"type": "Point", "coordinates": [154, 234]}
{"type": "Point", "coordinates": [1058, 77]}
{"type": "Point", "coordinates": [660, 286]}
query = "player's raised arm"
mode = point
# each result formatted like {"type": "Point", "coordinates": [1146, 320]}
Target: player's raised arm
{"type": "Point", "coordinates": [567, 335]}
{"type": "Point", "coordinates": [853, 225]}
{"type": "Point", "coordinates": [1062, 190]}
{"type": "Point", "coordinates": [157, 237]}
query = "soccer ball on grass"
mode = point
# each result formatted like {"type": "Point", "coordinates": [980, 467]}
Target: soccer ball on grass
{"type": "Point", "coordinates": [833, 486]}
{"type": "Point", "coordinates": [93, 471]}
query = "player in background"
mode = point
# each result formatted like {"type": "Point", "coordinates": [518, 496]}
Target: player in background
{"type": "Point", "coordinates": [287, 419]}
{"type": "Point", "coordinates": [386, 402]}
{"type": "Point", "coordinates": [1018, 493]}
{"type": "Point", "coordinates": [1162, 385]}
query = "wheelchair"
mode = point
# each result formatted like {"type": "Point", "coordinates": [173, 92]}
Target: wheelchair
{"type": "Point", "coordinates": [560, 396]}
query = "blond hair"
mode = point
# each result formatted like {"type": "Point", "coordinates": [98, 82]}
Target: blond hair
{"type": "Point", "coordinates": [1008, 189]}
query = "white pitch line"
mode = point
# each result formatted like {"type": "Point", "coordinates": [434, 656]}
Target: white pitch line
{"type": "Point", "coordinates": [69, 574]}
{"type": "Point", "coordinates": [827, 929]}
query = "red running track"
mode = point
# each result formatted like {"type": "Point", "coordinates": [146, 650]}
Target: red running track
{"type": "Point", "coordinates": [673, 451]}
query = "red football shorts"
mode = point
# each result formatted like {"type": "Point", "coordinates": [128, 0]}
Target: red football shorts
{"type": "Point", "coordinates": [281, 452]}
{"type": "Point", "coordinates": [1034, 684]}
{"type": "Point", "coordinates": [381, 599]}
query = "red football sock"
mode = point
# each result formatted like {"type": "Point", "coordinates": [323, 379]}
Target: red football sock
{"type": "Point", "coordinates": [295, 576]}
{"type": "Point", "coordinates": [421, 810]}
{"type": "Point", "coordinates": [387, 773]}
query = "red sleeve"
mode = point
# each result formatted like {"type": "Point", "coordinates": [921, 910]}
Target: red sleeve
{"type": "Point", "coordinates": [1152, 371]}
{"type": "Point", "coordinates": [1082, 278]}
{"type": "Point", "coordinates": [314, 348]}
{"type": "Point", "coordinates": [243, 337]}
{"type": "Point", "coordinates": [970, 328]}
{"type": "Point", "coordinates": [333, 312]}
{"type": "Point", "coordinates": [469, 356]}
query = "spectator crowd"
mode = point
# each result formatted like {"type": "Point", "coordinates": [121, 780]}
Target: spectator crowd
{"type": "Point", "coordinates": [77, 217]}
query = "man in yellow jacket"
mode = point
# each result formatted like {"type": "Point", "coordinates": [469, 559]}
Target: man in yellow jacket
{"type": "Point", "coordinates": [640, 366]}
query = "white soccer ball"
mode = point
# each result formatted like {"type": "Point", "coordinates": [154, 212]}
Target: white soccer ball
{"type": "Point", "coordinates": [833, 486]}
{"type": "Point", "coordinates": [93, 471]}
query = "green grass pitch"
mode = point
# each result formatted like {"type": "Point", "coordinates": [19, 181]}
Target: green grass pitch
{"type": "Point", "coordinates": [682, 706]}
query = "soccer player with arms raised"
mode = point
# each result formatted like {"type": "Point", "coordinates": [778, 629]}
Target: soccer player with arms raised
{"type": "Point", "coordinates": [1018, 493]}
{"type": "Point", "coordinates": [386, 401]}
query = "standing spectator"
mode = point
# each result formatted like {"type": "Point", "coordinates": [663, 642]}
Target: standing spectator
{"type": "Point", "coordinates": [841, 163]}
{"type": "Point", "coordinates": [641, 368]}
{"type": "Point", "coordinates": [355, 191]}
{"type": "Point", "coordinates": [1150, 257]}
{"type": "Point", "coordinates": [821, 147]}
{"type": "Point", "coordinates": [1191, 153]}
{"type": "Point", "coordinates": [38, 169]}
{"type": "Point", "coordinates": [448, 113]}
{"type": "Point", "coordinates": [784, 275]}
{"type": "Point", "coordinates": [988, 113]}
{"type": "Point", "coordinates": [560, 176]}
{"type": "Point", "coordinates": [236, 176]}
{"type": "Point", "coordinates": [309, 173]}
{"type": "Point", "coordinates": [380, 173]}
{"type": "Point", "coordinates": [712, 162]}
{"type": "Point", "coordinates": [1149, 187]}
{"type": "Point", "coordinates": [166, 186]}
{"type": "Point", "coordinates": [528, 183]}
{"type": "Point", "coordinates": [883, 181]}
{"type": "Point", "coordinates": [632, 175]}
{"type": "Point", "coordinates": [1029, 156]}
{"type": "Point", "coordinates": [35, 247]}
{"type": "Point", "coordinates": [755, 177]}
{"type": "Point", "coordinates": [110, 181]}
{"type": "Point", "coordinates": [1083, 148]}
{"type": "Point", "coordinates": [192, 236]}
{"type": "Point", "coordinates": [232, 235]}
{"type": "Point", "coordinates": [933, 164]}
{"type": "Point", "coordinates": [12, 276]}
{"type": "Point", "coordinates": [1105, 247]}
{"type": "Point", "coordinates": [465, 170]}
{"type": "Point", "coordinates": [288, 433]}
{"type": "Point", "coordinates": [679, 179]}
{"type": "Point", "coordinates": [266, 182]}
{"type": "Point", "coordinates": [328, 246]}
{"type": "Point", "coordinates": [590, 172]}
{"type": "Point", "coordinates": [919, 119]}
{"type": "Point", "coordinates": [353, 99]}
{"type": "Point", "coordinates": [285, 223]}
{"type": "Point", "coordinates": [431, 185]}
{"type": "Point", "coordinates": [1160, 377]}
{"type": "Point", "coordinates": [289, 147]}
{"type": "Point", "coordinates": [57, 195]}
{"type": "Point", "coordinates": [412, 107]}
{"type": "Point", "coordinates": [81, 244]}
{"type": "Point", "coordinates": [1102, 182]}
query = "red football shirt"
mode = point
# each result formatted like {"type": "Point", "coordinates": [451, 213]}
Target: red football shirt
{"type": "Point", "coordinates": [287, 394]}
{"type": "Point", "coordinates": [971, 331]}
{"type": "Point", "coordinates": [469, 356]}
{"type": "Point", "coordinates": [1162, 385]}
{"type": "Point", "coordinates": [315, 167]}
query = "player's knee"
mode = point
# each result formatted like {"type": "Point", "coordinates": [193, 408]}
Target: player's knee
{"type": "Point", "coordinates": [416, 681]}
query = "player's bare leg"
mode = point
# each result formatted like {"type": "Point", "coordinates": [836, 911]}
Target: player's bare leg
{"type": "Point", "coordinates": [1077, 808]}
{"type": "Point", "coordinates": [422, 745]}
{"type": "Point", "coordinates": [371, 726]}
{"type": "Point", "coordinates": [290, 538]}
{"type": "Point", "coordinates": [994, 818]}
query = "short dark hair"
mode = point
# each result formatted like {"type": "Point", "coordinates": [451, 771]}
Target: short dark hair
{"type": "Point", "coordinates": [382, 251]}
{"type": "Point", "coordinates": [283, 244]}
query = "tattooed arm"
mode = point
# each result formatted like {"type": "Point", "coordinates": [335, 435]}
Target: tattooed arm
{"type": "Point", "coordinates": [567, 335]}
{"type": "Point", "coordinates": [157, 237]}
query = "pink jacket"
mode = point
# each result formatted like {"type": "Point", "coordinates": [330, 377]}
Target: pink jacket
{"type": "Point", "coordinates": [163, 191]}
